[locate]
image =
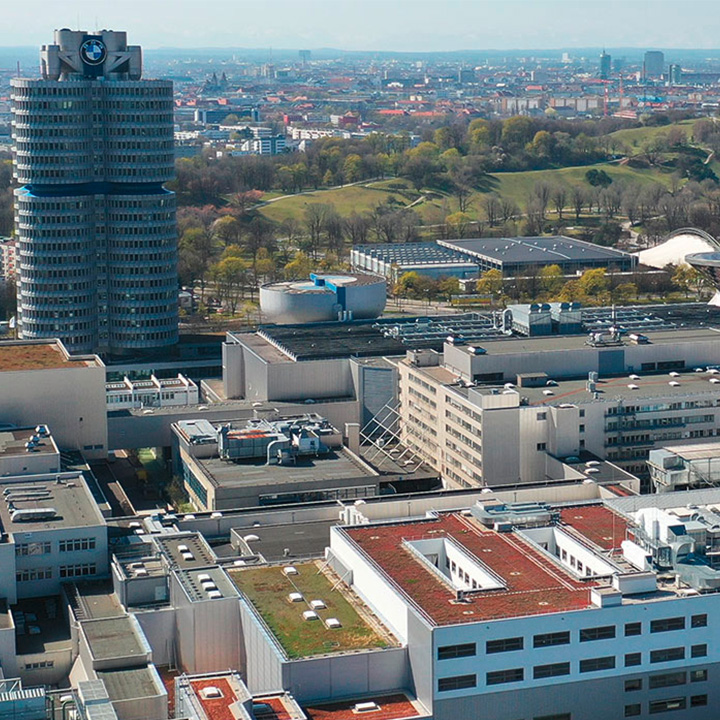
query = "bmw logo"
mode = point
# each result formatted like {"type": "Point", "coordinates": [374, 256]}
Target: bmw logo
{"type": "Point", "coordinates": [93, 51]}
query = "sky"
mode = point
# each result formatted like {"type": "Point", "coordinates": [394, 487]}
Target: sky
{"type": "Point", "coordinates": [400, 25]}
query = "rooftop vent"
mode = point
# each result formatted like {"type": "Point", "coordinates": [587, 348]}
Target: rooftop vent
{"type": "Point", "coordinates": [714, 381]}
{"type": "Point", "coordinates": [187, 556]}
{"type": "Point", "coordinates": [318, 604]}
{"type": "Point", "coordinates": [210, 693]}
{"type": "Point", "coordinates": [363, 707]}
{"type": "Point", "coordinates": [310, 615]}
{"type": "Point", "coordinates": [674, 383]}
{"type": "Point", "coordinates": [333, 623]}
{"type": "Point", "coordinates": [290, 570]}
{"type": "Point", "coordinates": [214, 595]}
{"type": "Point", "coordinates": [209, 585]}
{"type": "Point", "coordinates": [634, 377]}
{"type": "Point", "coordinates": [632, 386]}
{"type": "Point", "coordinates": [181, 548]}
{"type": "Point", "coordinates": [294, 597]}
{"type": "Point", "coordinates": [204, 577]}
{"type": "Point", "coordinates": [674, 374]}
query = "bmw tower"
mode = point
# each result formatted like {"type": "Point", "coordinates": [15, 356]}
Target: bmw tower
{"type": "Point", "coordinates": [97, 239]}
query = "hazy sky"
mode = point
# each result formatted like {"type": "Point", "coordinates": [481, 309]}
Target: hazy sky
{"type": "Point", "coordinates": [376, 24]}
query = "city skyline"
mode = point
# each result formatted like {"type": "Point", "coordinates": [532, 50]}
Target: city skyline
{"type": "Point", "coordinates": [375, 26]}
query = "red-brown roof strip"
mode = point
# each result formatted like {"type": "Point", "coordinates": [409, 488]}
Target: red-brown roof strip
{"type": "Point", "coordinates": [279, 711]}
{"type": "Point", "coordinates": [392, 707]}
{"type": "Point", "coordinates": [215, 708]}
{"type": "Point", "coordinates": [600, 525]}
{"type": "Point", "coordinates": [534, 586]}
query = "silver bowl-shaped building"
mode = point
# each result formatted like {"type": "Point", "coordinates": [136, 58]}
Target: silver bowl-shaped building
{"type": "Point", "coordinates": [324, 297]}
{"type": "Point", "coordinates": [708, 264]}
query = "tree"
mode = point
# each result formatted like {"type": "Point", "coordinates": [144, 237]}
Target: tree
{"type": "Point", "coordinates": [352, 168]}
{"type": "Point", "coordinates": [594, 283]}
{"type": "Point", "coordinates": [598, 178]}
{"type": "Point", "coordinates": [517, 131]}
{"type": "Point", "coordinates": [449, 286]}
{"type": "Point", "coordinates": [551, 280]}
{"type": "Point", "coordinates": [542, 193]}
{"type": "Point", "coordinates": [493, 209]}
{"type": "Point", "coordinates": [315, 216]}
{"type": "Point", "coordinates": [685, 277]}
{"type": "Point", "coordinates": [196, 249]}
{"type": "Point", "coordinates": [491, 283]}
{"type": "Point", "coordinates": [559, 196]}
{"type": "Point", "coordinates": [577, 197]}
{"type": "Point", "coordinates": [227, 229]}
{"type": "Point", "coordinates": [299, 268]}
{"type": "Point", "coordinates": [229, 276]}
{"type": "Point", "coordinates": [458, 224]}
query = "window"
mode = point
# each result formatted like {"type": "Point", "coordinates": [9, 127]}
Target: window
{"type": "Point", "coordinates": [35, 548]}
{"type": "Point", "coordinates": [634, 628]}
{"type": "Point", "coordinates": [598, 633]}
{"type": "Point", "coordinates": [456, 651]}
{"type": "Point", "coordinates": [661, 706]}
{"type": "Point", "coordinates": [552, 670]}
{"type": "Point", "coordinates": [498, 677]}
{"type": "Point", "coordinates": [632, 710]}
{"type": "Point", "coordinates": [556, 716]}
{"type": "Point", "coordinates": [698, 675]}
{"type": "Point", "coordinates": [76, 544]}
{"type": "Point", "coordinates": [459, 682]}
{"type": "Point", "coordinates": [542, 446]}
{"type": "Point", "coordinates": [667, 624]}
{"type": "Point", "coordinates": [698, 651]}
{"type": "Point", "coordinates": [30, 574]}
{"type": "Point", "coordinates": [77, 570]}
{"type": "Point", "coordinates": [595, 664]}
{"type": "Point", "coordinates": [542, 416]}
{"type": "Point", "coordinates": [633, 685]}
{"type": "Point", "coordinates": [632, 659]}
{"type": "Point", "coordinates": [667, 655]}
{"type": "Point", "coordinates": [505, 645]}
{"type": "Point", "coordinates": [698, 621]}
{"type": "Point", "coordinates": [698, 700]}
{"type": "Point", "coordinates": [549, 639]}
{"type": "Point", "coordinates": [667, 680]}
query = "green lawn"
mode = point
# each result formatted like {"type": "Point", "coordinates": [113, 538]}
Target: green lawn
{"type": "Point", "coordinates": [268, 589]}
{"type": "Point", "coordinates": [635, 137]}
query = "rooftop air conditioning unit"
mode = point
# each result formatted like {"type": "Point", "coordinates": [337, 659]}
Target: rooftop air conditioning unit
{"type": "Point", "coordinates": [187, 556]}
{"type": "Point", "coordinates": [318, 604]}
{"type": "Point", "coordinates": [632, 386]}
{"type": "Point", "coordinates": [310, 615]}
{"type": "Point", "coordinates": [674, 383]}
{"type": "Point", "coordinates": [290, 570]}
{"type": "Point", "coordinates": [204, 577]}
{"type": "Point", "coordinates": [214, 595]}
{"type": "Point", "coordinates": [209, 585]}
{"type": "Point", "coordinates": [294, 597]}
{"type": "Point", "coordinates": [363, 707]}
{"type": "Point", "coordinates": [211, 692]}
{"type": "Point", "coordinates": [141, 572]}
{"type": "Point", "coordinates": [181, 548]}
{"type": "Point", "coordinates": [333, 623]}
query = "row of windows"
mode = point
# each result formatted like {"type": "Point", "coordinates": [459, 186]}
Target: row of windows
{"type": "Point", "coordinates": [34, 548]}
{"type": "Point", "coordinates": [40, 665]}
{"type": "Point", "coordinates": [679, 677]}
{"type": "Point", "coordinates": [669, 705]}
{"type": "Point", "coordinates": [31, 574]}
{"type": "Point", "coordinates": [77, 570]}
{"type": "Point", "coordinates": [605, 632]}
{"type": "Point", "coordinates": [76, 544]}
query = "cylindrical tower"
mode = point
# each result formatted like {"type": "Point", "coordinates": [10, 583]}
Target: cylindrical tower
{"type": "Point", "coordinates": [97, 251]}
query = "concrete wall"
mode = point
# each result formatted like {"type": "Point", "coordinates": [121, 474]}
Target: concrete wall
{"type": "Point", "coordinates": [263, 670]}
{"type": "Point", "coordinates": [343, 675]}
{"type": "Point", "coordinates": [70, 401]}
{"type": "Point", "coordinates": [159, 626]}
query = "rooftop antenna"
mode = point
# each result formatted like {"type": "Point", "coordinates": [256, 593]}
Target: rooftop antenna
{"type": "Point", "coordinates": [18, 68]}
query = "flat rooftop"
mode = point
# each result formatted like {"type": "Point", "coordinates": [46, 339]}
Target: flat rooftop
{"type": "Point", "coordinates": [557, 249]}
{"type": "Point", "coordinates": [94, 600]}
{"type": "Point", "coordinates": [12, 442]}
{"type": "Point", "coordinates": [40, 626]}
{"type": "Point", "coordinates": [598, 524]}
{"type": "Point", "coordinates": [554, 343]}
{"type": "Point", "coordinates": [646, 386]}
{"type": "Point", "coordinates": [391, 707]}
{"type": "Point", "coordinates": [19, 356]}
{"type": "Point", "coordinates": [532, 584]}
{"type": "Point", "coordinates": [268, 589]}
{"type": "Point", "coordinates": [173, 549]}
{"type": "Point", "coordinates": [114, 637]}
{"type": "Point", "coordinates": [70, 499]}
{"type": "Point", "coordinates": [192, 582]}
{"type": "Point", "coordinates": [336, 465]}
{"type": "Point", "coordinates": [131, 683]}
{"type": "Point", "coordinates": [278, 542]}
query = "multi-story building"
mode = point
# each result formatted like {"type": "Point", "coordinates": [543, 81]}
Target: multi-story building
{"type": "Point", "coordinates": [154, 392]}
{"type": "Point", "coordinates": [654, 64]}
{"type": "Point", "coordinates": [97, 244]}
{"type": "Point", "coordinates": [495, 414]}
{"type": "Point", "coordinates": [7, 259]}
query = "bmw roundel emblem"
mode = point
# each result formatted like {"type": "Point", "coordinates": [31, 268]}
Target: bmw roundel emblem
{"type": "Point", "coordinates": [93, 51]}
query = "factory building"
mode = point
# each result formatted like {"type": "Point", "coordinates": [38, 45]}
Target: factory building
{"type": "Point", "coordinates": [467, 258]}
{"type": "Point", "coordinates": [616, 396]}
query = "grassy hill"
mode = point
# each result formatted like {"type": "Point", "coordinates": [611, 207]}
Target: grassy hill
{"type": "Point", "coordinates": [432, 205]}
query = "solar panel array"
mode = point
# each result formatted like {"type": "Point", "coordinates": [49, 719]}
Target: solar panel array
{"type": "Point", "coordinates": [412, 253]}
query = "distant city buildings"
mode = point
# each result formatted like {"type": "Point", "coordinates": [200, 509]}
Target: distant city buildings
{"type": "Point", "coordinates": [654, 64]}
{"type": "Point", "coordinates": [97, 245]}
{"type": "Point", "coordinates": [605, 65]}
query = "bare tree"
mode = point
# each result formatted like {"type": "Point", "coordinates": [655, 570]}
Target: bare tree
{"type": "Point", "coordinates": [559, 197]}
{"type": "Point", "coordinates": [577, 197]}
{"type": "Point", "coordinates": [493, 208]}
